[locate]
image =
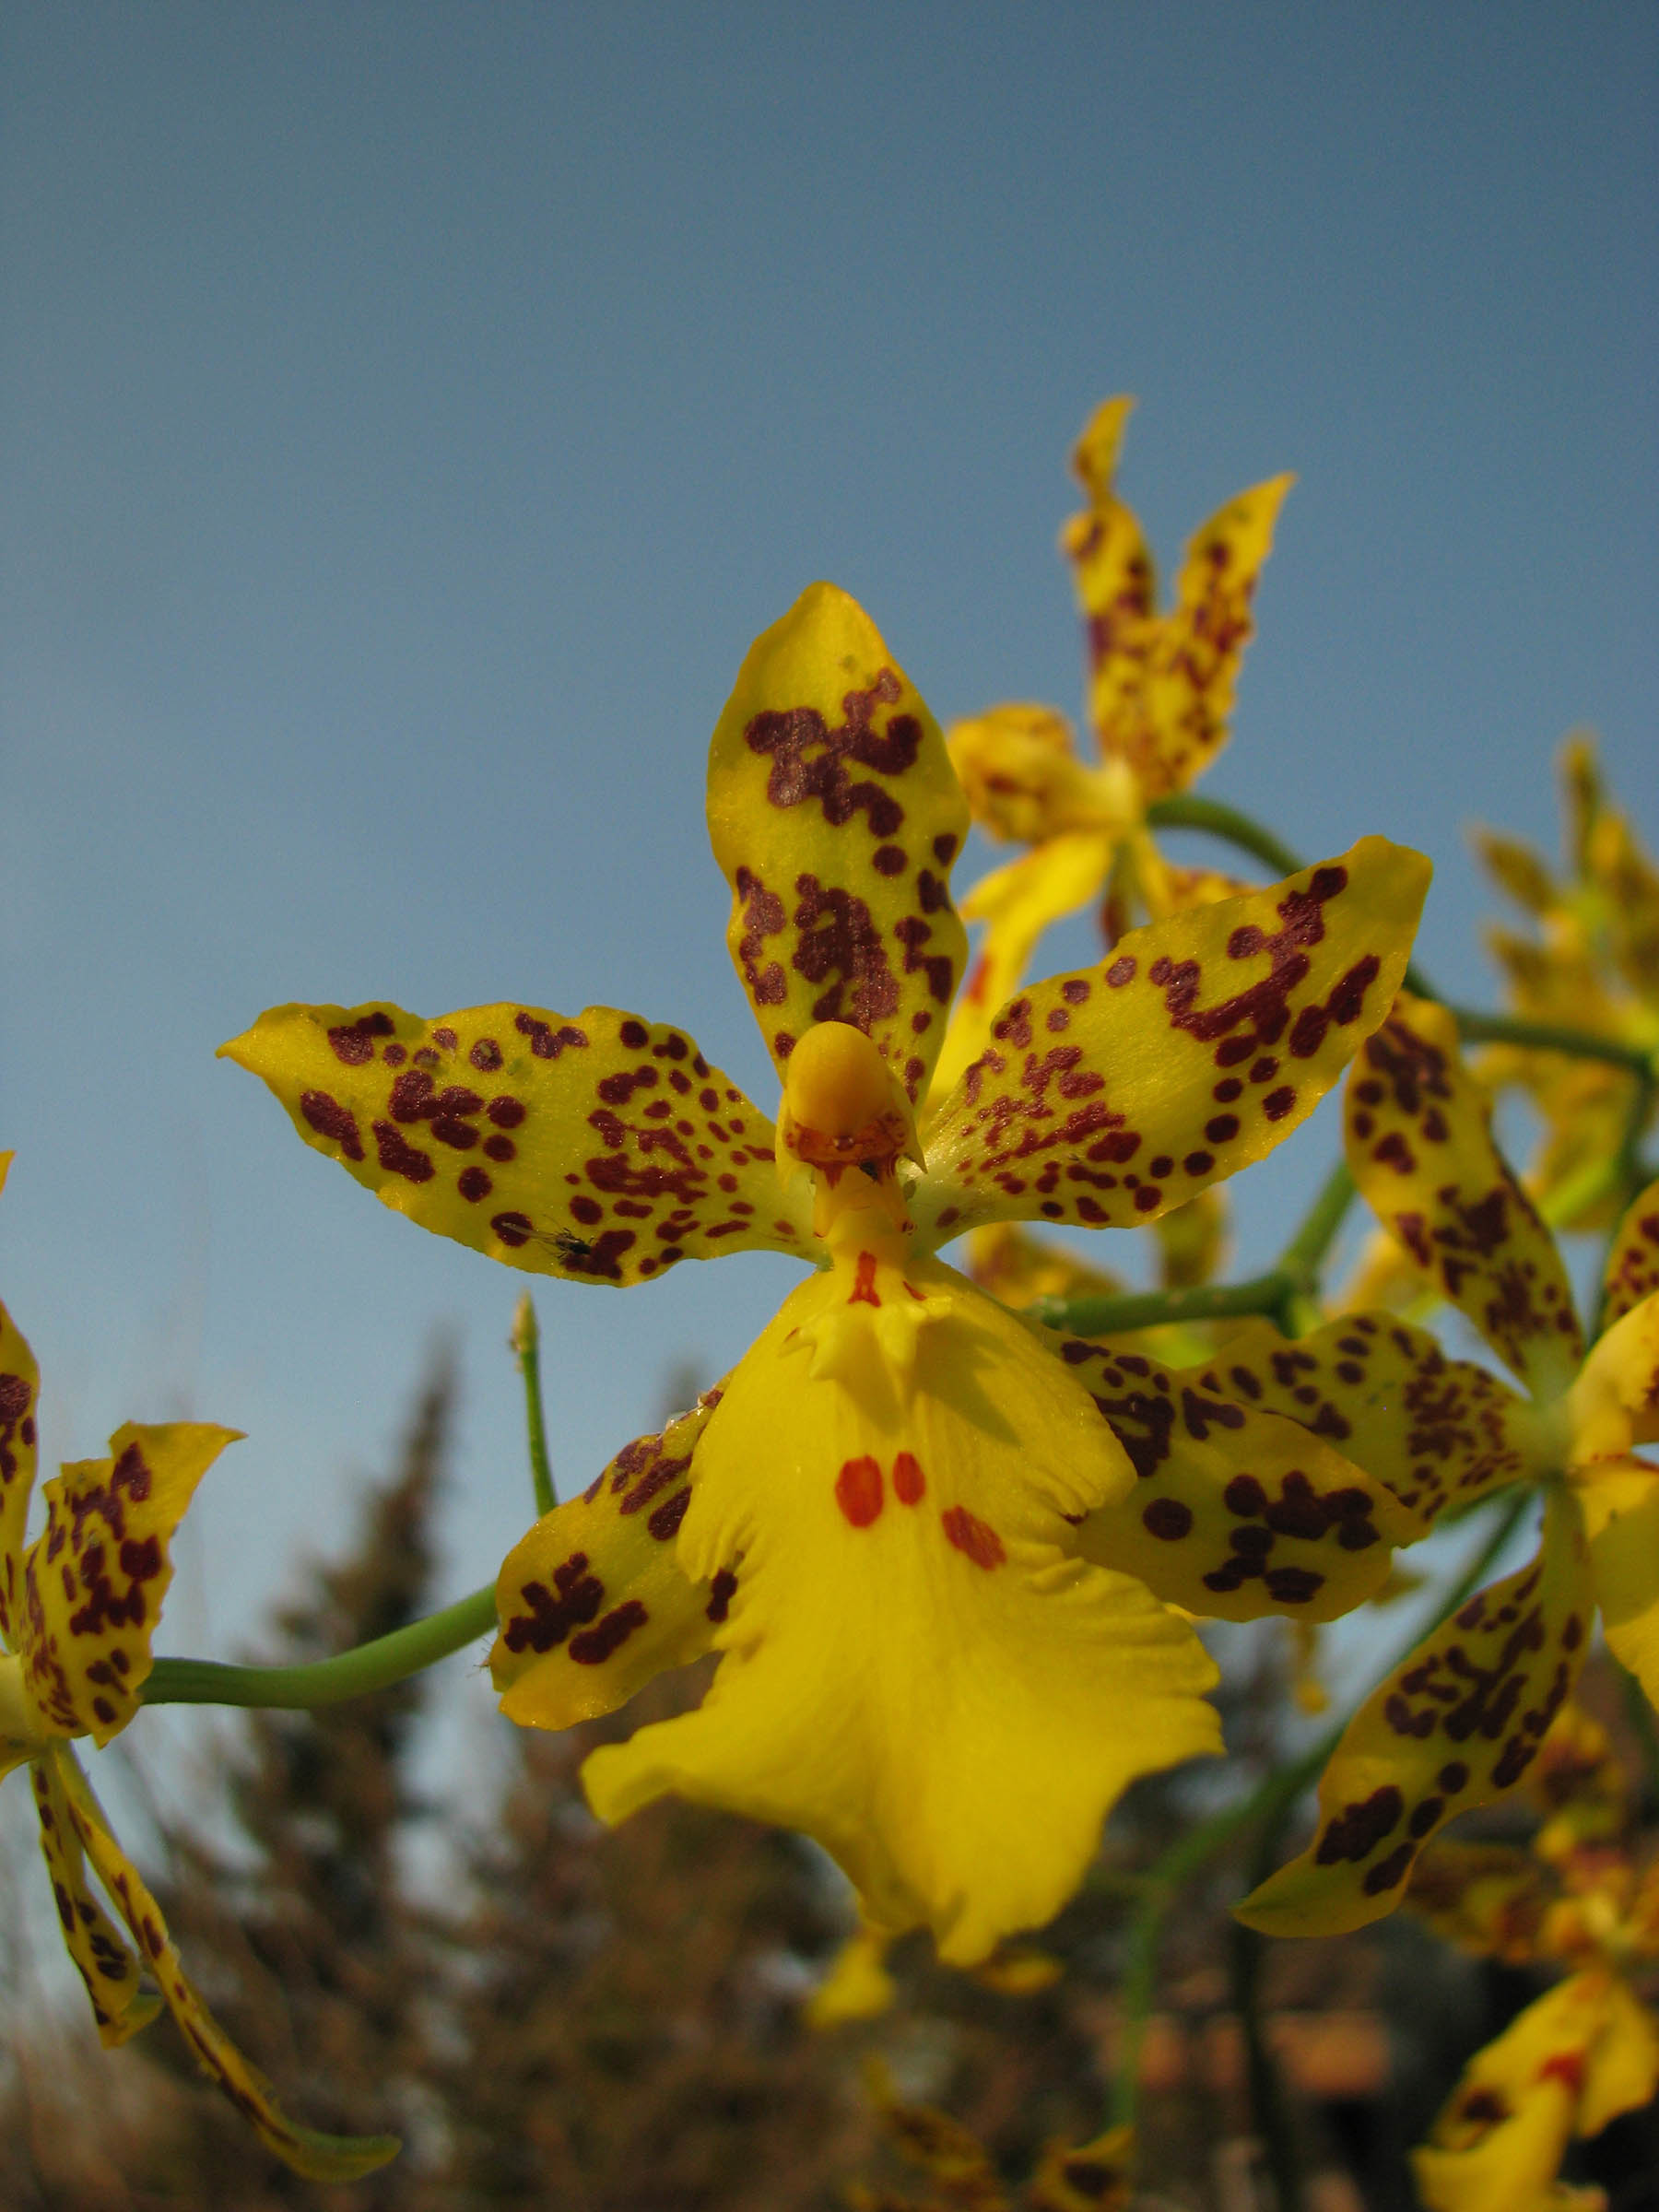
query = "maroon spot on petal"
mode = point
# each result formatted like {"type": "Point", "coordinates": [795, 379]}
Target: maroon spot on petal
{"type": "Point", "coordinates": [473, 1184]}
{"type": "Point", "coordinates": [1388, 1872]}
{"type": "Point", "coordinates": [446, 1037]}
{"type": "Point", "coordinates": [1199, 1163]}
{"type": "Point", "coordinates": [1293, 1585]}
{"type": "Point", "coordinates": [596, 1644]}
{"type": "Point", "coordinates": [400, 1158]}
{"type": "Point", "coordinates": [1147, 1197]}
{"type": "Point", "coordinates": [974, 1538]}
{"type": "Point", "coordinates": [664, 1522]}
{"type": "Point", "coordinates": [888, 860]}
{"type": "Point", "coordinates": [330, 1119]}
{"type": "Point", "coordinates": [1075, 991]}
{"type": "Point", "coordinates": [1121, 972]}
{"type": "Point", "coordinates": [909, 1482]}
{"type": "Point", "coordinates": [500, 1147]}
{"type": "Point", "coordinates": [858, 1491]}
{"type": "Point", "coordinates": [1168, 1518]}
{"type": "Point", "coordinates": [513, 1229]}
{"type": "Point", "coordinates": [634, 1034]}
{"type": "Point", "coordinates": [1245, 1496]}
{"type": "Point", "coordinates": [1277, 1103]}
{"type": "Point", "coordinates": [1221, 1128]}
{"type": "Point", "coordinates": [1359, 1828]}
{"type": "Point", "coordinates": [353, 1042]}
{"type": "Point", "coordinates": [722, 1590]}
{"type": "Point", "coordinates": [486, 1055]}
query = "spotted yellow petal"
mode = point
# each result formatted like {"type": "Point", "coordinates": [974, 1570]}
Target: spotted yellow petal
{"type": "Point", "coordinates": [1438, 1432]}
{"type": "Point", "coordinates": [1613, 1402]}
{"type": "Point", "coordinates": [914, 1657]}
{"type": "Point", "coordinates": [1237, 1512]}
{"type": "Point", "coordinates": [1161, 686]}
{"type": "Point", "coordinates": [1633, 1270]}
{"type": "Point", "coordinates": [593, 1603]}
{"type": "Point", "coordinates": [95, 1578]}
{"type": "Point", "coordinates": [1457, 1724]}
{"type": "Point", "coordinates": [102, 1956]}
{"type": "Point", "coordinates": [1421, 1152]}
{"type": "Point", "coordinates": [1620, 1500]}
{"type": "Point", "coordinates": [19, 1392]}
{"type": "Point", "coordinates": [836, 816]}
{"type": "Point", "coordinates": [603, 1149]}
{"type": "Point", "coordinates": [1488, 1899]}
{"type": "Point", "coordinates": [1109, 1095]}
{"type": "Point", "coordinates": [320, 2158]}
{"type": "Point", "coordinates": [1499, 2144]}
{"type": "Point", "coordinates": [1016, 903]}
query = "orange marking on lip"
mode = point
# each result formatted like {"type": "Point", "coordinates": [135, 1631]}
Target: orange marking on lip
{"type": "Point", "coordinates": [858, 1491]}
{"type": "Point", "coordinates": [864, 1284]}
{"type": "Point", "coordinates": [976, 1539]}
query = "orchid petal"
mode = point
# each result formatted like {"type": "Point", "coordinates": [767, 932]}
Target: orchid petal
{"type": "Point", "coordinates": [100, 1954]}
{"type": "Point", "coordinates": [20, 1393]}
{"type": "Point", "coordinates": [603, 1149]}
{"type": "Point", "coordinates": [592, 1603]}
{"type": "Point", "coordinates": [1620, 1499]}
{"type": "Point", "coordinates": [836, 816]}
{"type": "Point", "coordinates": [95, 1578]}
{"type": "Point", "coordinates": [1161, 686]}
{"type": "Point", "coordinates": [1237, 1512]}
{"type": "Point", "coordinates": [1438, 1432]}
{"type": "Point", "coordinates": [1633, 1270]}
{"type": "Point", "coordinates": [1499, 2144]}
{"type": "Point", "coordinates": [1456, 1725]}
{"type": "Point", "coordinates": [1111, 1094]}
{"type": "Point", "coordinates": [1614, 1401]}
{"type": "Point", "coordinates": [913, 1657]}
{"type": "Point", "coordinates": [319, 2157]}
{"type": "Point", "coordinates": [1421, 1152]}
{"type": "Point", "coordinates": [1016, 903]}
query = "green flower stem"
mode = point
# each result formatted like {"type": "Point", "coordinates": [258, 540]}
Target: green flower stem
{"type": "Point", "coordinates": [525, 1341]}
{"type": "Point", "coordinates": [352, 1674]}
{"type": "Point", "coordinates": [1276, 1294]}
{"type": "Point", "coordinates": [1552, 1037]}
{"type": "Point", "coordinates": [1145, 1308]}
{"type": "Point", "coordinates": [1268, 1805]}
{"type": "Point", "coordinates": [1181, 811]}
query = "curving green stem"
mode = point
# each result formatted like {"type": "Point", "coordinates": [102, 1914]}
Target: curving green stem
{"type": "Point", "coordinates": [1276, 1294]}
{"type": "Point", "coordinates": [1268, 1805]}
{"type": "Point", "coordinates": [525, 1341]}
{"type": "Point", "coordinates": [352, 1674]}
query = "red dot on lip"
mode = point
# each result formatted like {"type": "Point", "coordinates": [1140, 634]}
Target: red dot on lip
{"type": "Point", "coordinates": [909, 1482]}
{"type": "Point", "coordinates": [858, 1491]}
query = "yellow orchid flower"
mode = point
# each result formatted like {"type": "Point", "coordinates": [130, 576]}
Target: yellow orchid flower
{"type": "Point", "coordinates": [879, 1520]}
{"type": "Point", "coordinates": [1460, 1721]}
{"type": "Point", "coordinates": [1586, 2050]}
{"type": "Point", "coordinates": [78, 1608]}
{"type": "Point", "coordinates": [1591, 963]}
{"type": "Point", "coordinates": [1160, 690]}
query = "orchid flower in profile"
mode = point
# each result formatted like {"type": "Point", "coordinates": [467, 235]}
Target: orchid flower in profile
{"type": "Point", "coordinates": [1459, 1722]}
{"type": "Point", "coordinates": [78, 1608]}
{"type": "Point", "coordinates": [1160, 695]}
{"type": "Point", "coordinates": [883, 1520]}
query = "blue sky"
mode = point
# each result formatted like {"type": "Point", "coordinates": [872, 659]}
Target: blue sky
{"type": "Point", "coordinates": [412, 412]}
